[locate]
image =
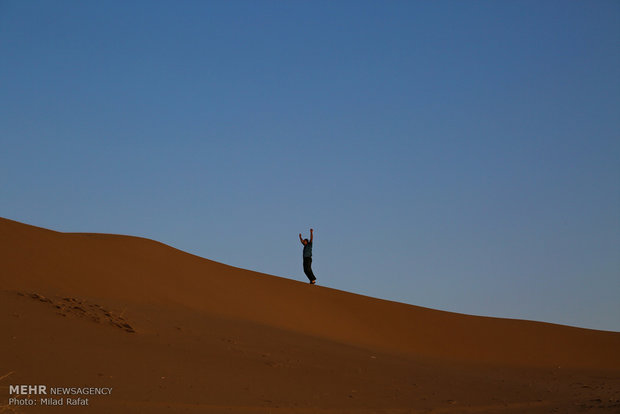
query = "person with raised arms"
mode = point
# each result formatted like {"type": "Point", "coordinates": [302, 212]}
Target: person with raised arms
{"type": "Point", "coordinates": [307, 255]}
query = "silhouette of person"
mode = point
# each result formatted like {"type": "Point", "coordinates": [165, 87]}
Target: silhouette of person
{"type": "Point", "coordinates": [308, 257]}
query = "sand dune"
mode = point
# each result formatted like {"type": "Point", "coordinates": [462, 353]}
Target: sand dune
{"type": "Point", "coordinates": [173, 332]}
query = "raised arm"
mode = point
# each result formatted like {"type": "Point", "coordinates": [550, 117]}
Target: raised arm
{"type": "Point", "coordinates": [311, 234]}
{"type": "Point", "coordinates": [300, 239]}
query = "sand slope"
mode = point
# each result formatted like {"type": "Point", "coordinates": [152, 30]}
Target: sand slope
{"type": "Point", "coordinates": [173, 332]}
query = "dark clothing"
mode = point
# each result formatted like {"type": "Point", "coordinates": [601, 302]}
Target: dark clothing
{"type": "Point", "coordinates": [308, 249]}
{"type": "Point", "coordinates": [308, 268]}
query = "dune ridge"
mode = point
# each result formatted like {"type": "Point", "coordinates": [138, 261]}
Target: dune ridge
{"type": "Point", "coordinates": [144, 271]}
{"type": "Point", "coordinates": [170, 332]}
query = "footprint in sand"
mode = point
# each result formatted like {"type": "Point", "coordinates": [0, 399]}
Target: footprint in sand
{"type": "Point", "coordinates": [83, 309]}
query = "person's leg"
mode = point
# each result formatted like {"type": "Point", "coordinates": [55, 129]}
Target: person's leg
{"type": "Point", "coordinates": [308, 269]}
{"type": "Point", "coordinates": [312, 277]}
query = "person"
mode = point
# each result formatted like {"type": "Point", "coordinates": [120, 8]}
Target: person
{"type": "Point", "coordinates": [308, 256]}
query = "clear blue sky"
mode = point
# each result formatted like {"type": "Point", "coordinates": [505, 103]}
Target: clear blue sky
{"type": "Point", "coordinates": [458, 155]}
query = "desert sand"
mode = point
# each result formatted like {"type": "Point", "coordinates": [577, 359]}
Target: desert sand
{"type": "Point", "coordinates": [170, 332]}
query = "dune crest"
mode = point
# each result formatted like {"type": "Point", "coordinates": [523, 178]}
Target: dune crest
{"type": "Point", "coordinates": [143, 271]}
{"type": "Point", "coordinates": [171, 332]}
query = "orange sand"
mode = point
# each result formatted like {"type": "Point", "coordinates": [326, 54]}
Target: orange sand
{"type": "Point", "coordinates": [172, 332]}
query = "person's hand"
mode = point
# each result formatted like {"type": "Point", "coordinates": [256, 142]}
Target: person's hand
{"type": "Point", "coordinates": [299, 234]}
{"type": "Point", "coordinates": [311, 230]}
